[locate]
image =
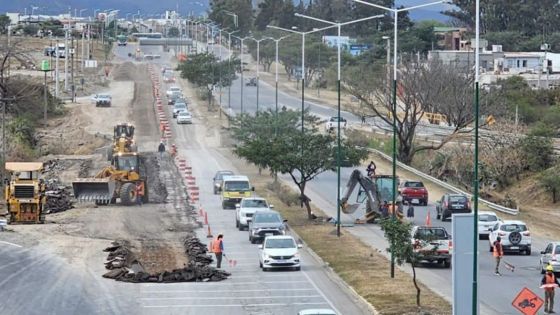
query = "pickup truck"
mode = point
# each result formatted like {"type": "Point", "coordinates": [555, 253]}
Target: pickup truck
{"type": "Point", "coordinates": [332, 124]}
{"type": "Point", "coordinates": [102, 100]}
{"type": "Point", "coordinates": [432, 244]}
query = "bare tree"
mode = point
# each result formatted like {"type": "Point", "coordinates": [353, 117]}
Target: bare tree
{"type": "Point", "coordinates": [429, 87]}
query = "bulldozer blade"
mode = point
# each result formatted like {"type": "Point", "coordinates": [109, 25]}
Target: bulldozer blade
{"type": "Point", "coordinates": [93, 189]}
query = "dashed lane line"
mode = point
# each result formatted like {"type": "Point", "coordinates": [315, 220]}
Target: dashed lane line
{"type": "Point", "coordinates": [235, 305]}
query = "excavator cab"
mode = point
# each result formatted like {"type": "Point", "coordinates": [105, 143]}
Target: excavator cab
{"type": "Point", "coordinates": [25, 192]}
{"type": "Point", "coordinates": [124, 129]}
{"type": "Point", "coordinates": [127, 162]}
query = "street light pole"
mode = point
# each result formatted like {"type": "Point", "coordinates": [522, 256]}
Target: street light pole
{"type": "Point", "coordinates": [338, 151]}
{"type": "Point", "coordinates": [276, 41]}
{"type": "Point", "coordinates": [229, 64]}
{"type": "Point", "coordinates": [258, 41]}
{"type": "Point", "coordinates": [241, 58]}
{"type": "Point", "coordinates": [474, 309]}
{"type": "Point", "coordinates": [394, 99]}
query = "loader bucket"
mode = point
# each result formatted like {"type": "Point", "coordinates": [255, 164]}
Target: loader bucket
{"type": "Point", "coordinates": [93, 189]}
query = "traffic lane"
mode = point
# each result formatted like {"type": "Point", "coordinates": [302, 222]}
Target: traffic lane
{"type": "Point", "coordinates": [33, 281]}
{"type": "Point", "coordinates": [252, 294]}
{"type": "Point", "coordinates": [439, 279]}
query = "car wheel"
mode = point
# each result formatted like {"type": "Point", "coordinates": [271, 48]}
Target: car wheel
{"type": "Point", "coordinates": [542, 269]}
{"type": "Point", "coordinates": [240, 227]}
{"type": "Point", "coordinates": [215, 191]}
{"type": "Point", "coordinates": [447, 263]}
{"type": "Point", "coordinates": [237, 224]}
{"type": "Point", "coordinates": [528, 252]}
{"type": "Point", "coordinates": [491, 248]}
{"type": "Point", "coordinates": [223, 205]}
{"type": "Point", "coordinates": [260, 264]}
{"type": "Point", "coordinates": [264, 269]}
{"type": "Point", "coordinates": [297, 268]}
{"type": "Point", "coordinates": [252, 240]}
{"type": "Point", "coordinates": [438, 216]}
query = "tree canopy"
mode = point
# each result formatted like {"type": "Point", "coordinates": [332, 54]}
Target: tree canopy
{"type": "Point", "coordinates": [275, 142]}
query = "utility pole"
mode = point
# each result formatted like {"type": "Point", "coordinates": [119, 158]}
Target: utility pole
{"type": "Point", "coordinates": [56, 71]}
{"type": "Point", "coordinates": [66, 60]}
{"type": "Point", "coordinates": [82, 53]}
{"type": "Point", "coordinates": [72, 51]}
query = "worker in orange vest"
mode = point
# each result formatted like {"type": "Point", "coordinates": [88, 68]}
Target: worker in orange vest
{"type": "Point", "coordinates": [218, 249]}
{"type": "Point", "coordinates": [550, 280]}
{"type": "Point", "coordinates": [173, 150]}
{"type": "Point", "coordinates": [139, 192]}
{"type": "Point", "coordinates": [498, 253]}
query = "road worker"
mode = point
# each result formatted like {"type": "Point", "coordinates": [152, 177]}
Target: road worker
{"type": "Point", "coordinates": [218, 249]}
{"type": "Point", "coordinates": [498, 251]}
{"type": "Point", "coordinates": [549, 279]}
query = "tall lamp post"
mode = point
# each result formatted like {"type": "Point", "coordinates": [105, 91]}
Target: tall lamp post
{"type": "Point", "coordinates": [258, 41]}
{"type": "Point", "coordinates": [394, 110]}
{"type": "Point", "coordinates": [474, 309]}
{"type": "Point", "coordinates": [339, 26]}
{"type": "Point", "coordinates": [277, 40]}
{"type": "Point", "coordinates": [302, 64]}
{"type": "Point", "coordinates": [229, 63]}
{"type": "Point", "coordinates": [242, 39]}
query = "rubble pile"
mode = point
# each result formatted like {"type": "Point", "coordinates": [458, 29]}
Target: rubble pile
{"type": "Point", "coordinates": [123, 265]}
{"type": "Point", "coordinates": [59, 197]}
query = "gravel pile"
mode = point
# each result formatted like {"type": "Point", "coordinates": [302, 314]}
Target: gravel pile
{"type": "Point", "coordinates": [123, 266]}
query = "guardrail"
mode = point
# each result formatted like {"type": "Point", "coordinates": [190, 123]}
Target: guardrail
{"type": "Point", "coordinates": [445, 185]}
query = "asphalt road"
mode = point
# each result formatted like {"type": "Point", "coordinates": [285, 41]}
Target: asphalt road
{"type": "Point", "coordinates": [249, 290]}
{"type": "Point", "coordinates": [496, 293]}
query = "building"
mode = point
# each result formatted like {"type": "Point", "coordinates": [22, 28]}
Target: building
{"type": "Point", "coordinates": [449, 38]}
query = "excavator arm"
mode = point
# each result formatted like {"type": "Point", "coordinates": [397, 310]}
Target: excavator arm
{"type": "Point", "coordinates": [367, 187]}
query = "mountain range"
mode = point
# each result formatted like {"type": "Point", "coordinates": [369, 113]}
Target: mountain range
{"type": "Point", "coordinates": [147, 7]}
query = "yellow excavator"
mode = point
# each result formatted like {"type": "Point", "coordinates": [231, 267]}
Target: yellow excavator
{"type": "Point", "coordinates": [376, 189]}
{"type": "Point", "coordinates": [24, 192]}
{"type": "Point", "coordinates": [123, 141]}
{"type": "Point", "coordinates": [115, 182]}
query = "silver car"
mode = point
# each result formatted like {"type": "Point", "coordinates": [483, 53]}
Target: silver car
{"type": "Point", "coordinates": [486, 221]}
{"type": "Point", "coordinates": [550, 256]}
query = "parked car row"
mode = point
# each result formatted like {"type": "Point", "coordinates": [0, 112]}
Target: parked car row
{"type": "Point", "coordinates": [264, 225]}
{"type": "Point", "coordinates": [180, 108]}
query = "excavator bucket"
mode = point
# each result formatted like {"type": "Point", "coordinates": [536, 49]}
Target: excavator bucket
{"type": "Point", "coordinates": [349, 209]}
{"type": "Point", "coordinates": [94, 189]}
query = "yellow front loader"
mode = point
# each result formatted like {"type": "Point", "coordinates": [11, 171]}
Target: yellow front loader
{"type": "Point", "coordinates": [123, 141]}
{"type": "Point", "coordinates": [24, 192]}
{"type": "Point", "coordinates": [116, 182]}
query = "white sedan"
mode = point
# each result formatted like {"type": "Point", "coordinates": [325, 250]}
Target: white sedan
{"type": "Point", "coordinates": [486, 222]}
{"type": "Point", "coordinates": [280, 251]}
{"type": "Point", "coordinates": [184, 117]}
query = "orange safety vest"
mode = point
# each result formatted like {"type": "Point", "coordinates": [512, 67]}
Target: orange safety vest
{"type": "Point", "coordinates": [500, 252]}
{"type": "Point", "coordinates": [216, 246]}
{"type": "Point", "coordinates": [550, 279]}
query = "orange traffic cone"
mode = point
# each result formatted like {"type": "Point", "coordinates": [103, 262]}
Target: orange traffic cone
{"type": "Point", "coordinates": [428, 219]}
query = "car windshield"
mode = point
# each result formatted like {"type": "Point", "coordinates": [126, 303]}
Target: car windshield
{"type": "Point", "coordinates": [236, 185]}
{"type": "Point", "coordinates": [221, 175]}
{"type": "Point", "coordinates": [184, 114]}
{"type": "Point", "coordinates": [513, 228]}
{"type": "Point", "coordinates": [267, 218]}
{"type": "Point", "coordinates": [280, 243]}
{"type": "Point", "coordinates": [431, 234]}
{"type": "Point", "coordinates": [557, 250]}
{"type": "Point", "coordinates": [487, 218]}
{"type": "Point", "coordinates": [180, 105]}
{"type": "Point", "coordinates": [457, 198]}
{"type": "Point", "coordinates": [174, 89]}
{"type": "Point", "coordinates": [254, 203]}
{"type": "Point", "coordinates": [414, 184]}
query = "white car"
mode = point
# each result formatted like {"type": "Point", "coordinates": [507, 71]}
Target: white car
{"type": "Point", "coordinates": [179, 107]}
{"type": "Point", "coordinates": [332, 124]}
{"type": "Point", "coordinates": [184, 117]}
{"type": "Point", "coordinates": [550, 256]}
{"type": "Point", "coordinates": [246, 208]}
{"type": "Point", "coordinates": [486, 221]}
{"type": "Point", "coordinates": [173, 90]}
{"type": "Point", "coordinates": [514, 234]}
{"type": "Point", "coordinates": [279, 251]}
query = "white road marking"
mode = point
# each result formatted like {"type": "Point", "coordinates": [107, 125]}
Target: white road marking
{"type": "Point", "coordinates": [231, 298]}
{"type": "Point", "coordinates": [211, 291]}
{"type": "Point", "coordinates": [12, 263]}
{"type": "Point", "coordinates": [321, 292]}
{"type": "Point", "coordinates": [20, 271]}
{"type": "Point", "coordinates": [233, 305]}
{"type": "Point", "coordinates": [221, 283]}
{"type": "Point", "coordinates": [12, 244]}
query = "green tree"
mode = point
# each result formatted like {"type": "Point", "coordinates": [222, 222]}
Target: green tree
{"type": "Point", "coordinates": [4, 23]}
{"type": "Point", "coordinates": [205, 70]}
{"type": "Point", "coordinates": [31, 29]}
{"type": "Point", "coordinates": [550, 181]}
{"type": "Point", "coordinates": [243, 9]}
{"type": "Point", "coordinates": [538, 149]}
{"type": "Point", "coordinates": [398, 234]}
{"type": "Point", "coordinates": [173, 32]}
{"type": "Point", "coordinates": [277, 143]}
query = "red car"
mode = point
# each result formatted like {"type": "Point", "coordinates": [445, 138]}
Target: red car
{"type": "Point", "coordinates": [414, 192]}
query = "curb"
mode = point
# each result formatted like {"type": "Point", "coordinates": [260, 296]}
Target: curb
{"type": "Point", "coordinates": [333, 276]}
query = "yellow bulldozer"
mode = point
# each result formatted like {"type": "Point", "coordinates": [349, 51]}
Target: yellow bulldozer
{"type": "Point", "coordinates": [123, 141]}
{"type": "Point", "coordinates": [115, 182]}
{"type": "Point", "coordinates": [24, 192]}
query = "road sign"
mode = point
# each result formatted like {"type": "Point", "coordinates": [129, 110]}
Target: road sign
{"type": "Point", "coordinates": [45, 66]}
{"type": "Point", "coordinates": [527, 302]}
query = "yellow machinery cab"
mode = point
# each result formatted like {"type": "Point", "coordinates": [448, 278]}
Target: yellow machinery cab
{"type": "Point", "coordinates": [25, 192]}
